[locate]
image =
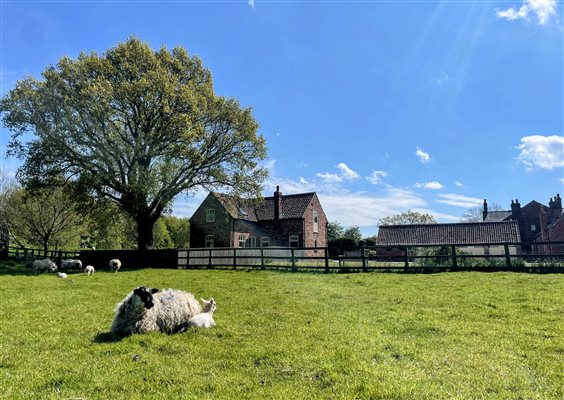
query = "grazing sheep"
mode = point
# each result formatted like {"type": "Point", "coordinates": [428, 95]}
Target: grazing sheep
{"type": "Point", "coordinates": [71, 264]}
{"type": "Point", "coordinates": [43, 265]}
{"type": "Point", "coordinates": [62, 275]}
{"type": "Point", "coordinates": [115, 264]}
{"type": "Point", "coordinates": [148, 310]}
{"type": "Point", "coordinates": [205, 319]}
{"type": "Point", "coordinates": [89, 270]}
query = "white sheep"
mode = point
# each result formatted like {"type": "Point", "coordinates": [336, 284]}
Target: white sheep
{"type": "Point", "coordinates": [89, 270]}
{"type": "Point", "coordinates": [148, 310]}
{"type": "Point", "coordinates": [71, 264]}
{"type": "Point", "coordinates": [62, 275]}
{"type": "Point", "coordinates": [204, 319]}
{"type": "Point", "coordinates": [115, 264]}
{"type": "Point", "coordinates": [43, 265]}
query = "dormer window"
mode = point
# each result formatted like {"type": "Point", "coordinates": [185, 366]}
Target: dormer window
{"type": "Point", "coordinates": [533, 227]}
{"type": "Point", "coordinates": [210, 215]}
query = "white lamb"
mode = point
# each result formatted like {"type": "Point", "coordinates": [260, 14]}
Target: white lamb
{"type": "Point", "coordinates": [115, 264]}
{"type": "Point", "coordinates": [89, 270]}
{"type": "Point", "coordinates": [148, 310]}
{"type": "Point", "coordinates": [205, 319]}
{"type": "Point", "coordinates": [43, 265]}
{"type": "Point", "coordinates": [71, 264]}
{"type": "Point", "coordinates": [62, 275]}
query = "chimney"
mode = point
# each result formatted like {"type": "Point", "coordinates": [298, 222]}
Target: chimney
{"type": "Point", "coordinates": [485, 210]}
{"type": "Point", "coordinates": [277, 203]}
{"type": "Point", "coordinates": [515, 210]}
{"type": "Point", "coordinates": [557, 202]}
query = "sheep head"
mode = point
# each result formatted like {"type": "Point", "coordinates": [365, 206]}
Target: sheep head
{"type": "Point", "coordinates": [145, 295]}
{"type": "Point", "coordinates": [209, 305]}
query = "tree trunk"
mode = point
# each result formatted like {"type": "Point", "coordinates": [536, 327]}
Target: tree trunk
{"type": "Point", "coordinates": [45, 248]}
{"type": "Point", "coordinates": [144, 232]}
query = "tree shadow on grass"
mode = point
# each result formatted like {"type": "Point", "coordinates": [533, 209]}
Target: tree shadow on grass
{"type": "Point", "coordinates": [107, 337]}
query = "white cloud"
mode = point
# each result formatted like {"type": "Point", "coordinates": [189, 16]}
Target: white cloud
{"type": "Point", "coordinates": [542, 9]}
{"type": "Point", "coordinates": [459, 200]}
{"type": "Point", "coordinates": [252, 3]}
{"type": "Point", "coordinates": [458, 184]}
{"type": "Point", "coordinates": [376, 177]}
{"type": "Point", "coordinates": [423, 157]}
{"type": "Point", "coordinates": [429, 185]}
{"type": "Point", "coordinates": [443, 78]}
{"type": "Point", "coordinates": [545, 152]}
{"type": "Point", "coordinates": [329, 178]}
{"type": "Point", "coordinates": [346, 172]}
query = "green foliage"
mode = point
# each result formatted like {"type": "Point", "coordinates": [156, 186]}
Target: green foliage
{"type": "Point", "coordinates": [408, 218]}
{"type": "Point", "coordinates": [161, 235]}
{"type": "Point", "coordinates": [353, 234]}
{"type": "Point", "coordinates": [289, 336]}
{"type": "Point", "coordinates": [134, 126]}
{"type": "Point", "coordinates": [109, 228]}
{"type": "Point", "coordinates": [179, 231]}
{"type": "Point", "coordinates": [334, 231]}
{"type": "Point", "coordinates": [44, 218]}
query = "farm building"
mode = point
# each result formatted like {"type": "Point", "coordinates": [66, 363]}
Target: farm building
{"type": "Point", "coordinates": [531, 218]}
{"type": "Point", "coordinates": [476, 238]}
{"type": "Point", "coordinates": [296, 220]}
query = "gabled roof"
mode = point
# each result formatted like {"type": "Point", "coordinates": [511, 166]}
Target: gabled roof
{"type": "Point", "coordinates": [292, 206]}
{"type": "Point", "coordinates": [497, 216]}
{"type": "Point", "coordinates": [460, 233]}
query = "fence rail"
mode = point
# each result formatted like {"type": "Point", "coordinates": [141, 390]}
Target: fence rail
{"type": "Point", "coordinates": [546, 256]}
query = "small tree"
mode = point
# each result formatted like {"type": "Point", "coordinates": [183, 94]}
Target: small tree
{"type": "Point", "coordinates": [335, 231]}
{"type": "Point", "coordinates": [476, 214]}
{"type": "Point", "coordinates": [353, 235]}
{"type": "Point", "coordinates": [45, 218]}
{"type": "Point", "coordinates": [408, 218]}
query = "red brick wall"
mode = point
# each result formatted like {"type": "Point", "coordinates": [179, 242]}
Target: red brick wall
{"type": "Point", "coordinates": [221, 228]}
{"type": "Point", "coordinates": [309, 235]}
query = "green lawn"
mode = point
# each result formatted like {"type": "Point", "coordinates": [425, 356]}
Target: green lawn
{"type": "Point", "coordinates": [280, 335]}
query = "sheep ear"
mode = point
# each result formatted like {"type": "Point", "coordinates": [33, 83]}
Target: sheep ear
{"type": "Point", "coordinates": [212, 300]}
{"type": "Point", "coordinates": [154, 290]}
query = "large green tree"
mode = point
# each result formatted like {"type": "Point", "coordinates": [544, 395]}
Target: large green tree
{"type": "Point", "coordinates": [136, 126]}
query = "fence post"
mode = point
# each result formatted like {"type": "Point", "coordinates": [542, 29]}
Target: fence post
{"type": "Point", "coordinates": [363, 260]}
{"type": "Point", "coordinates": [454, 265]}
{"type": "Point", "coordinates": [405, 258]}
{"type": "Point", "coordinates": [326, 260]}
{"type": "Point", "coordinates": [293, 260]}
{"type": "Point", "coordinates": [507, 257]}
{"type": "Point", "coordinates": [261, 258]}
{"type": "Point", "coordinates": [234, 258]}
{"type": "Point", "coordinates": [60, 257]}
{"type": "Point", "coordinates": [187, 258]}
{"type": "Point", "coordinates": [210, 258]}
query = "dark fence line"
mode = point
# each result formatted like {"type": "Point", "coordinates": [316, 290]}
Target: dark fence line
{"type": "Point", "coordinates": [546, 256]}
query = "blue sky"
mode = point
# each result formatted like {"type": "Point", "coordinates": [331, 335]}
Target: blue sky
{"type": "Point", "coordinates": [378, 106]}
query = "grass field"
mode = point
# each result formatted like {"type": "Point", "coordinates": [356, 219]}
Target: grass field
{"type": "Point", "coordinates": [279, 335]}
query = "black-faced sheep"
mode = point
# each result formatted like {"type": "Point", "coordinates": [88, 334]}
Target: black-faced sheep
{"type": "Point", "coordinates": [89, 270]}
{"type": "Point", "coordinates": [204, 319]}
{"type": "Point", "coordinates": [148, 310]}
{"type": "Point", "coordinates": [115, 264]}
{"type": "Point", "coordinates": [39, 266]}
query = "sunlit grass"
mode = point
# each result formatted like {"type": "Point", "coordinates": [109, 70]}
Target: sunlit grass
{"type": "Point", "coordinates": [284, 335]}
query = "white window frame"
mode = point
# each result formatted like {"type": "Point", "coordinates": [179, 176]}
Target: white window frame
{"type": "Point", "coordinates": [242, 240]}
{"type": "Point", "coordinates": [209, 241]}
{"type": "Point", "coordinates": [533, 227]}
{"type": "Point", "coordinates": [264, 241]}
{"type": "Point", "coordinates": [251, 242]}
{"type": "Point", "coordinates": [315, 222]}
{"type": "Point", "coordinates": [210, 215]}
{"type": "Point", "coordinates": [294, 239]}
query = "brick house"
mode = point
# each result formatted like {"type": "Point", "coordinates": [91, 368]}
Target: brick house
{"type": "Point", "coordinates": [296, 220]}
{"type": "Point", "coordinates": [476, 238]}
{"type": "Point", "coordinates": [530, 218]}
{"type": "Point", "coordinates": [550, 232]}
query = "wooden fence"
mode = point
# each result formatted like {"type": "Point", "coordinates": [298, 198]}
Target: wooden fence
{"type": "Point", "coordinates": [547, 256]}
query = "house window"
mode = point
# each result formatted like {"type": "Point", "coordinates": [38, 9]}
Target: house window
{"type": "Point", "coordinates": [210, 215]}
{"type": "Point", "coordinates": [533, 227]}
{"type": "Point", "coordinates": [242, 240]}
{"type": "Point", "coordinates": [294, 240]}
{"type": "Point", "coordinates": [251, 241]}
{"type": "Point", "coordinates": [264, 241]}
{"type": "Point", "coordinates": [315, 222]}
{"type": "Point", "coordinates": [209, 240]}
